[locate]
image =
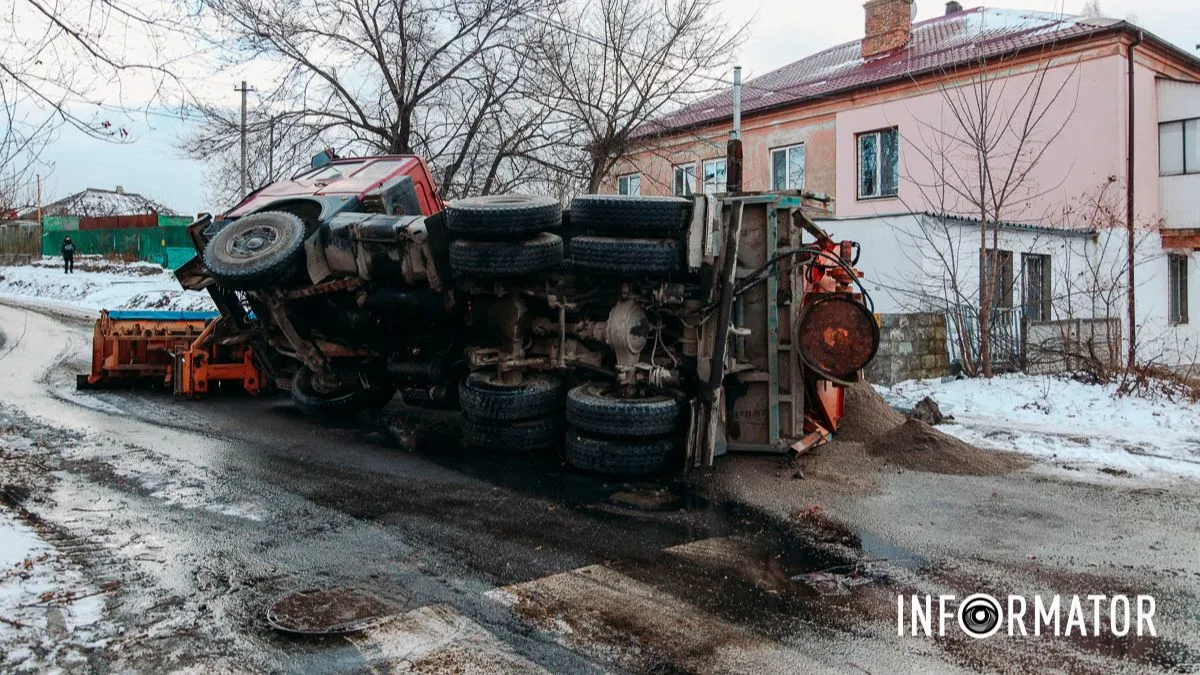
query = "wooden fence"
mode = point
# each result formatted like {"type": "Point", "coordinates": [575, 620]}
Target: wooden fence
{"type": "Point", "coordinates": [20, 243]}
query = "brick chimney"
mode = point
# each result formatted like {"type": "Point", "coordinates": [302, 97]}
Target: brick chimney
{"type": "Point", "coordinates": [889, 26]}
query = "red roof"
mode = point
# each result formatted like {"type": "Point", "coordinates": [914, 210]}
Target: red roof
{"type": "Point", "coordinates": [940, 43]}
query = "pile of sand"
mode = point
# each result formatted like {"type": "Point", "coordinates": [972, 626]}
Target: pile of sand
{"type": "Point", "coordinates": [866, 414]}
{"type": "Point", "coordinates": [912, 444]}
{"type": "Point", "coordinates": [917, 446]}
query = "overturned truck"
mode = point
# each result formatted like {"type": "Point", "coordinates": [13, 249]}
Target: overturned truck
{"type": "Point", "coordinates": [640, 334]}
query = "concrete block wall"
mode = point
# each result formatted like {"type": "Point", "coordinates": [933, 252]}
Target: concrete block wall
{"type": "Point", "coordinates": [911, 346]}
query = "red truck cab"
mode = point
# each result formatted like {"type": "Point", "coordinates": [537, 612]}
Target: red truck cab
{"type": "Point", "coordinates": [371, 181]}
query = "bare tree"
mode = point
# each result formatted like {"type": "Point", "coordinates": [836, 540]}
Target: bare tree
{"type": "Point", "coordinates": [1091, 9]}
{"type": "Point", "coordinates": [24, 134]}
{"type": "Point", "coordinates": [615, 65]}
{"type": "Point", "coordinates": [439, 78]}
{"type": "Point", "coordinates": [81, 64]}
{"type": "Point", "coordinates": [83, 61]}
{"type": "Point", "coordinates": [983, 158]}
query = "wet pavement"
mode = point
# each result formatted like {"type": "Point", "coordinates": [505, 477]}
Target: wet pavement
{"type": "Point", "coordinates": [197, 515]}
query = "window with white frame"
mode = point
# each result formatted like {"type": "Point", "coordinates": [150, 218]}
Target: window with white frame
{"type": "Point", "coordinates": [714, 176]}
{"type": "Point", "coordinates": [685, 180]}
{"type": "Point", "coordinates": [1177, 287]}
{"type": "Point", "coordinates": [879, 163]}
{"type": "Point", "coordinates": [629, 184]}
{"type": "Point", "coordinates": [1179, 147]}
{"type": "Point", "coordinates": [787, 168]}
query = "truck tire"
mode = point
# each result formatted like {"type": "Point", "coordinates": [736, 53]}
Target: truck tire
{"type": "Point", "coordinates": [629, 215]}
{"type": "Point", "coordinates": [521, 436]}
{"type": "Point", "coordinates": [310, 401]}
{"type": "Point", "coordinates": [506, 258]}
{"type": "Point", "coordinates": [610, 255]}
{"type": "Point", "coordinates": [347, 400]}
{"type": "Point", "coordinates": [620, 457]}
{"type": "Point", "coordinates": [257, 251]}
{"type": "Point", "coordinates": [502, 217]}
{"type": "Point", "coordinates": [594, 409]}
{"type": "Point", "coordinates": [484, 397]}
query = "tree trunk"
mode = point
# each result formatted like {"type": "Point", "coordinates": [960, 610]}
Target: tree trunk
{"type": "Point", "coordinates": [985, 300]}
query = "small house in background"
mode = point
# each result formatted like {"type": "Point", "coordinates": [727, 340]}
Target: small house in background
{"type": "Point", "coordinates": [98, 209]}
{"type": "Point", "coordinates": [112, 223]}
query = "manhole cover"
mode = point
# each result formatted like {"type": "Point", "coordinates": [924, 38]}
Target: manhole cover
{"type": "Point", "coordinates": [327, 612]}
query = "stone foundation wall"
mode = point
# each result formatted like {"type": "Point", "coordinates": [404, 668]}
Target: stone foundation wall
{"type": "Point", "coordinates": [911, 346]}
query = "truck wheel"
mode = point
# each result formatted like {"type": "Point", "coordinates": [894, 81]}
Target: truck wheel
{"type": "Point", "coordinates": [597, 409]}
{"type": "Point", "coordinates": [610, 255]}
{"type": "Point", "coordinates": [620, 457]}
{"type": "Point", "coordinates": [502, 217]}
{"type": "Point", "coordinates": [629, 215]}
{"type": "Point", "coordinates": [344, 400]}
{"type": "Point", "coordinates": [484, 397]}
{"type": "Point", "coordinates": [506, 258]}
{"type": "Point", "coordinates": [255, 251]}
{"type": "Point", "coordinates": [534, 434]}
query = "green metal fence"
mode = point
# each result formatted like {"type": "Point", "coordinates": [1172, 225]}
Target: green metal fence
{"type": "Point", "coordinates": [149, 244]}
{"type": "Point", "coordinates": [57, 223]}
{"type": "Point", "coordinates": [174, 221]}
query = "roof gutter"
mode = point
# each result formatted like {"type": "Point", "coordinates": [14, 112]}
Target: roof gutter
{"type": "Point", "coordinates": [1130, 193]}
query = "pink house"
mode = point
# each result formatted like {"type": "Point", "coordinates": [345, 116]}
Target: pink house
{"type": "Point", "coordinates": [877, 125]}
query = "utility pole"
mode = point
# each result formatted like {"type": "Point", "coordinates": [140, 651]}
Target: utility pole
{"type": "Point", "coordinates": [245, 177]}
{"type": "Point", "coordinates": [271, 150]}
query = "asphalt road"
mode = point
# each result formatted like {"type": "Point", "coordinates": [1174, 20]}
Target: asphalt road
{"type": "Point", "coordinates": [197, 514]}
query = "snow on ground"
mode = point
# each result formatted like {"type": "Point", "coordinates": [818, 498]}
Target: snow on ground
{"type": "Point", "coordinates": [100, 284]}
{"type": "Point", "coordinates": [46, 610]}
{"type": "Point", "coordinates": [1068, 423]}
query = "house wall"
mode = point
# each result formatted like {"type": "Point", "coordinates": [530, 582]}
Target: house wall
{"type": "Point", "coordinates": [1179, 196]}
{"type": "Point", "coordinates": [918, 263]}
{"type": "Point", "coordinates": [1088, 108]}
{"type": "Point", "coordinates": [1160, 341]}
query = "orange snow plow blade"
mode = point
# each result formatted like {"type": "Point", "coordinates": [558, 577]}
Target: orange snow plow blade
{"type": "Point", "coordinates": [183, 350]}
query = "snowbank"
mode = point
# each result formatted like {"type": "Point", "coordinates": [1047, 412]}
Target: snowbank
{"type": "Point", "coordinates": [1076, 425]}
{"type": "Point", "coordinates": [100, 284]}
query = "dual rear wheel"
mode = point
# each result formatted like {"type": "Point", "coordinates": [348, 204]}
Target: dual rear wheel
{"type": "Point", "coordinates": [609, 433]}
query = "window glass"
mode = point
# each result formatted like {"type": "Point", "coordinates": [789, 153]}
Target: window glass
{"type": "Point", "coordinates": [1191, 146]}
{"type": "Point", "coordinates": [868, 165]}
{"type": "Point", "coordinates": [1170, 149]}
{"type": "Point", "coordinates": [787, 168]}
{"type": "Point", "coordinates": [629, 184]}
{"type": "Point", "coordinates": [779, 169]}
{"type": "Point", "coordinates": [685, 180]}
{"type": "Point", "coordinates": [714, 176]}
{"type": "Point", "coordinates": [796, 168]}
{"type": "Point", "coordinates": [889, 162]}
{"type": "Point", "coordinates": [1177, 287]}
{"type": "Point", "coordinates": [1037, 287]}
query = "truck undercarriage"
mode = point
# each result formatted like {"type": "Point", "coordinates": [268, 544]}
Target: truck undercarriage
{"type": "Point", "coordinates": [640, 333]}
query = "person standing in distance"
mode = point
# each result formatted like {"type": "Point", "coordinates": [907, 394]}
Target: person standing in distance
{"type": "Point", "coordinates": [68, 254]}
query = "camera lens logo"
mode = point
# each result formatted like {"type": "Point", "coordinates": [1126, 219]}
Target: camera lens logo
{"type": "Point", "coordinates": [979, 615]}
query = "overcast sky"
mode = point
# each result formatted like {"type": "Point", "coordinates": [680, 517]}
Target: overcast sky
{"type": "Point", "coordinates": [781, 31]}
